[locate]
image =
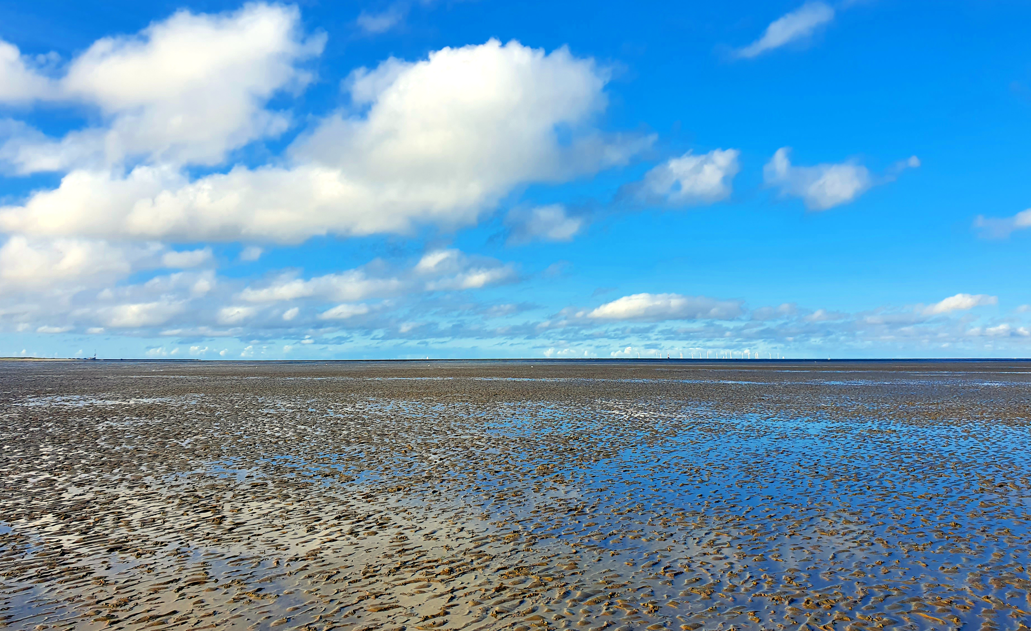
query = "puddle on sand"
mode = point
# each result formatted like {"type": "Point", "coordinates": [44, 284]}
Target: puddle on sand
{"type": "Point", "coordinates": [589, 497]}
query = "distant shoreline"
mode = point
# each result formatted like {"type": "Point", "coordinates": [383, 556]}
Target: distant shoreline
{"type": "Point", "coordinates": [544, 360]}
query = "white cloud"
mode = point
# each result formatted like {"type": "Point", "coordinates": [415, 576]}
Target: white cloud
{"type": "Point", "coordinates": [196, 284]}
{"type": "Point", "coordinates": [205, 305]}
{"type": "Point", "coordinates": [376, 23]}
{"type": "Point", "coordinates": [189, 258]}
{"type": "Point", "coordinates": [437, 270]}
{"type": "Point", "coordinates": [188, 89]}
{"type": "Point", "coordinates": [203, 284]}
{"type": "Point", "coordinates": [542, 223]}
{"type": "Point", "coordinates": [1002, 330]}
{"type": "Point", "coordinates": [40, 263]}
{"type": "Point", "coordinates": [565, 352]}
{"type": "Point", "coordinates": [794, 26]}
{"type": "Point", "coordinates": [785, 310]}
{"type": "Point", "coordinates": [439, 141]}
{"type": "Point", "coordinates": [438, 261]}
{"type": "Point", "coordinates": [658, 307]}
{"type": "Point", "coordinates": [350, 285]}
{"type": "Point", "coordinates": [822, 315]}
{"type": "Point", "coordinates": [822, 186]}
{"type": "Point", "coordinates": [53, 329]}
{"type": "Point", "coordinates": [502, 310]}
{"type": "Point", "coordinates": [344, 311]}
{"type": "Point", "coordinates": [128, 316]}
{"type": "Point", "coordinates": [633, 351]}
{"type": "Point", "coordinates": [452, 270]}
{"type": "Point", "coordinates": [960, 302]}
{"type": "Point", "coordinates": [692, 179]}
{"type": "Point", "coordinates": [251, 253]}
{"type": "Point", "coordinates": [19, 80]}
{"type": "Point", "coordinates": [475, 278]}
{"type": "Point", "coordinates": [1002, 227]}
{"type": "Point", "coordinates": [235, 314]}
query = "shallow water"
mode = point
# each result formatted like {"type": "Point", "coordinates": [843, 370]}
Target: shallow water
{"type": "Point", "coordinates": [489, 495]}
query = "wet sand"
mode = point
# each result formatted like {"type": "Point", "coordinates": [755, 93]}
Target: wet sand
{"type": "Point", "coordinates": [493, 495]}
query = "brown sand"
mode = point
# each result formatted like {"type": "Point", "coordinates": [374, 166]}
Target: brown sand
{"type": "Point", "coordinates": [646, 495]}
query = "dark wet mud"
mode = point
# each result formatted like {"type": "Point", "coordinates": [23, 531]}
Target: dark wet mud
{"type": "Point", "coordinates": [651, 495]}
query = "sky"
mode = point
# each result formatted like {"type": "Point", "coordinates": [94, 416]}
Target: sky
{"type": "Point", "coordinates": [478, 179]}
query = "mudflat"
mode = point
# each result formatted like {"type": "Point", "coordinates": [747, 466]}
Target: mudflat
{"type": "Point", "coordinates": [515, 495]}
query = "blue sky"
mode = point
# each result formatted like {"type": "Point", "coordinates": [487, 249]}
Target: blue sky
{"type": "Point", "coordinates": [483, 179]}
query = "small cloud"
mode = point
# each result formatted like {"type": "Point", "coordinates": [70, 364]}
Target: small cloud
{"type": "Point", "coordinates": [896, 169]}
{"type": "Point", "coordinates": [156, 352]}
{"type": "Point", "coordinates": [825, 186]}
{"type": "Point", "coordinates": [785, 310]}
{"type": "Point", "coordinates": [457, 271]}
{"type": "Point", "coordinates": [822, 186]}
{"type": "Point", "coordinates": [500, 311]}
{"type": "Point", "coordinates": [960, 302]}
{"type": "Point", "coordinates": [344, 311]}
{"type": "Point", "coordinates": [235, 314]}
{"type": "Point", "coordinates": [543, 223]}
{"type": "Point", "coordinates": [376, 23]}
{"type": "Point", "coordinates": [127, 316]}
{"type": "Point", "coordinates": [794, 26]}
{"type": "Point", "coordinates": [631, 351]}
{"type": "Point", "coordinates": [690, 179]}
{"type": "Point", "coordinates": [53, 329]}
{"type": "Point", "coordinates": [190, 258]}
{"type": "Point", "coordinates": [203, 285]}
{"type": "Point", "coordinates": [291, 313]}
{"type": "Point", "coordinates": [1001, 330]}
{"type": "Point", "coordinates": [658, 307]}
{"type": "Point", "coordinates": [565, 352]}
{"type": "Point", "coordinates": [1002, 227]}
{"type": "Point", "coordinates": [556, 269]}
{"type": "Point", "coordinates": [251, 253]}
{"type": "Point", "coordinates": [822, 315]}
{"type": "Point", "coordinates": [95, 330]}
